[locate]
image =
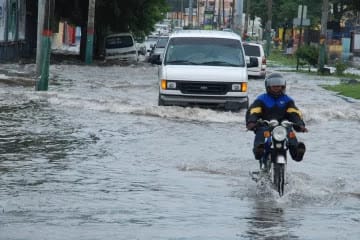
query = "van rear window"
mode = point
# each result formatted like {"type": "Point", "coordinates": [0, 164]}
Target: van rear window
{"type": "Point", "coordinates": [251, 50]}
{"type": "Point", "coordinates": [119, 42]}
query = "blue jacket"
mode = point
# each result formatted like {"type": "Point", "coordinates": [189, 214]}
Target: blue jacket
{"type": "Point", "coordinates": [267, 107]}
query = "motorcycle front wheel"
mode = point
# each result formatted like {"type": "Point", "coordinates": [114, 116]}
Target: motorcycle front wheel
{"type": "Point", "coordinates": [279, 177]}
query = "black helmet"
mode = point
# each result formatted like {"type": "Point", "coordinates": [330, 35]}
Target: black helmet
{"type": "Point", "coordinates": [275, 79]}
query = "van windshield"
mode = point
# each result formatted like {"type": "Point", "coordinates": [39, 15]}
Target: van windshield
{"type": "Point", "coordinates": [119, 42]}
{"type": "Point", "coordinates": [204, 51]}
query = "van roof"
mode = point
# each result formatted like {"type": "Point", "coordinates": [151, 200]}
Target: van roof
{"type": "Point", "coordinates": [120, 34]}
{"type": "Point", "coordinates": [206, 34]}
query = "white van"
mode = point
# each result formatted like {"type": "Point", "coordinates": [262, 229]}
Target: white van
{"type": "Point", "coordinates": [204, 68]}
{"type": "Point", "coordinates": [256, 50]}
{"type": "Point", "coordinates": [121, 46]}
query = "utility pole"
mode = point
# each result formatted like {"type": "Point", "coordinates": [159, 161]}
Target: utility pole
{"type": "Point", "coordinates": [322, 48]}
{"type": "Point", "coordinates": [182, 13]}
{"type": "Point", "coordinates": [238, 16]}
{"type": "Point", "coordinates": [40, 27]}
{"type": "Point", "coordinates": [300, 37]}
{"type": "Point", "coordinates": [190, 13]}
{"type": "Point", "coordinates": [219, 14]}
{"type": "Point", "coordinates": [223, 12]}
{"type": "Point", "coordinates": [268, 27]}
{"type": "Point", "coordinates": [197, 13]}
{"type": "Point", "coordinates": [90, 33]}
{"type": "Point", "coordinates": [246, 24]}
{"type": "Point", "coordinates": [42, 83]}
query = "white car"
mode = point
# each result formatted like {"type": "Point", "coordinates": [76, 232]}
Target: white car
{"type": "Point", "coordinates": [121, 46]}
{"type": "Point", "coordinates": [256, 50]}
{"type": "Point", "coordinates": [204, 68]}
{"type": "Point", "coordinates": [150, 42]}
{"type": "Point", "coordinates": [158, 49]}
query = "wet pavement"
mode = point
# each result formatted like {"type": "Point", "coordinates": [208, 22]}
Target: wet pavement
{"type": "Point", "coordinates": [96, 158]}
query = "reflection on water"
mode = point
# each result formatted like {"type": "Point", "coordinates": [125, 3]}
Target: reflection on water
{"type": "Point", "coordinates": [266, 220]}
{"type": "Point", "coordinates": [33, 129]}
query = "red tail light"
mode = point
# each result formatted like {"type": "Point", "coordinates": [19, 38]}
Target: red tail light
{"type": "Point", "coordinates": [264, 60]}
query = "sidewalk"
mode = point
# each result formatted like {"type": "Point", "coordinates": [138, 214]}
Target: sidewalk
{"type": "Point", "coordinates": [355, 62]}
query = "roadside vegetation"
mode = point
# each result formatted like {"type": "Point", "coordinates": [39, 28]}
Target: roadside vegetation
{"type": "Point", "coordinates": [350, 87]}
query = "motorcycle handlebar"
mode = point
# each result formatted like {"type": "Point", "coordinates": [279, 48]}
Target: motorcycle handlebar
{"type": "Point", "coordinates": [274, 123]}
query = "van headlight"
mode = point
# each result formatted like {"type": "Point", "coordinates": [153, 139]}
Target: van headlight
{"type": "Point", "coordinates": [239, 87]}
{"type": "Point", "coordinates": [171, 85]}
{"type": "Point", "coordinates": [236, 87]}
{"type": "Point", "coordinates": [168, 84]}
{"type": "Point", "coordinates": [279, 133]}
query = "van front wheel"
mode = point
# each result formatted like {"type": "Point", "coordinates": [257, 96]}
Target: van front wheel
{"type": "Point", "coordinates": [160, 102]}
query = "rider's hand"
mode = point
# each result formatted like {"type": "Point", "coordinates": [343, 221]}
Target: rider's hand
{"type": "Point", "coordinates": [303, 129]}
{"type": "Point", "coordinates": [251, 126]}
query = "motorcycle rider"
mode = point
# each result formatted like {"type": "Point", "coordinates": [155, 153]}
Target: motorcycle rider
{"type": "Point", "coordinates": [275, 104]}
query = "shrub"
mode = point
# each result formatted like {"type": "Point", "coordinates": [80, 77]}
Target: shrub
{"type": "Point", "coordinates": [309, 54]}
{"type": "Point", "coordinates": [340, 68]}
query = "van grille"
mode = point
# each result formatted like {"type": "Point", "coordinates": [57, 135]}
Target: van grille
{"type": "Point", "coordinates": [204, 88]}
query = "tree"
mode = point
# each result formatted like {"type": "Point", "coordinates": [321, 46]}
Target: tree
{"type": "Point", "coordinates": [284, 11]}
{"type": "Point", "coordinates": [136, 16]}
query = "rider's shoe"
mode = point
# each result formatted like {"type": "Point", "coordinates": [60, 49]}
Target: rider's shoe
{"type": "Point", "coordinates": [259, 151]}
{"type": "Point", "coordinates": [300, 151]}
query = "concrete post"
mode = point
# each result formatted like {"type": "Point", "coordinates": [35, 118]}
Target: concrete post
{"type": "Point", "coordinates": [42, 83]}
{"type": "Point", "coordinates": [41, 11]}
{"type": "Point", "coordinates": [90, 33]}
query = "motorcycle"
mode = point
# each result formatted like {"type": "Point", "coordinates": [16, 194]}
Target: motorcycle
{"type": "Point", "coordinates": [274, 160]}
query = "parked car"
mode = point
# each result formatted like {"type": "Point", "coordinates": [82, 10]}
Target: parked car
{"type": "Point", "coordinates": [149, 43]}
{"type": "Point", "coordinates": [227, 30]}
{"type": "Point", "coordinates": [121, 46]}
{"type": "Point", "coordinates": [256, 50]}
{"type": "Point", "coordinates": [176, 29]}
{"type": "Point", "coordinates": [158, 49]}
{"type": "Point", "coordinates": [204, 68]}
{"type": "Point", "coordinates": [140, 45]}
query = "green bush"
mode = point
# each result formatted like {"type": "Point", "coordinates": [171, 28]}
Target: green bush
{"type": "Point", "coordinates": [340, 68]}
{"type": "Point", "coordinates": [309, 54]}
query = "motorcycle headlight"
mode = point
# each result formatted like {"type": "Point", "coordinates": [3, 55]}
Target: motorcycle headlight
{"type": "Point", "coordinates": [279, 133]}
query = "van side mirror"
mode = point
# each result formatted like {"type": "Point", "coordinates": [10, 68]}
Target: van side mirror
{"type": "Point", "coordinates": [253, 62]}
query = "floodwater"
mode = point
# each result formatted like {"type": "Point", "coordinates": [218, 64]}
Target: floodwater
{"type": "Point", "coordinates": [96, 158]}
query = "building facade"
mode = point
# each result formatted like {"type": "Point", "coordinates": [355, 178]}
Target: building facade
{"type": "Point", "coordinates": [17, 29]}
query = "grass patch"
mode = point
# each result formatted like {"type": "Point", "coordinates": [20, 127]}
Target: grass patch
{"type": "Point", "coordinates": [347, 89]}
{"type": "Point", "coordinates": [278, 57]}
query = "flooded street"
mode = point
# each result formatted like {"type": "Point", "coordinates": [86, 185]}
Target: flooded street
{"type": "Point", "coordinates": [96, 158]}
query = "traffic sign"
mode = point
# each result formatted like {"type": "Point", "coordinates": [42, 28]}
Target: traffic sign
{"type": "Point", "coordinates": [297, 22]}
